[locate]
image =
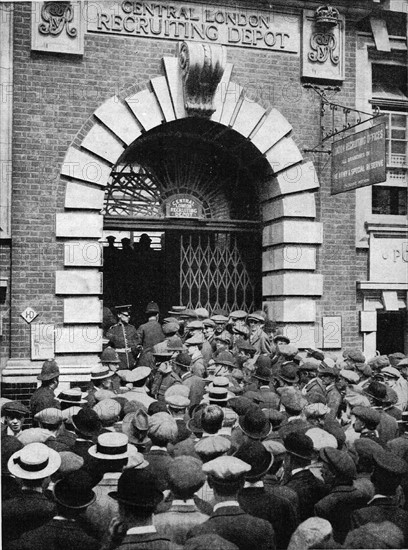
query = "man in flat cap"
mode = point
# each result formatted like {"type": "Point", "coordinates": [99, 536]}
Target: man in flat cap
{"type": "Point", "coordinates": [328, 374]}
{"type": "Point", "coordinates": [162, 431]}
{"type": "Point", "coordinates": [366, 422]}
{"type": "Point", "coordinates": [124, 338]}
{"type": "Point", "coordinates": [257, 337]}
{"type": "Point", "coordinates": [194, 344]}
{"type": "Point", "coordinates": [339, 471]}
{"type": "Point", "coordinates": [186, 477]}
{"type": "Point", "coordinates": [14, 413]}
{"type": "Point", "coordinates": [388, 472]}
{"type": "Point", "coordinates": [44, 396]}
{"type": "Point", "coordinates": [138, 495]}
{"type": "Point", "coordinates": [226, 475]}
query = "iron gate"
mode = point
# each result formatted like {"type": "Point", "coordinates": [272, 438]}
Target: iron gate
{"type": "Point", "coordinates": [220, 270]}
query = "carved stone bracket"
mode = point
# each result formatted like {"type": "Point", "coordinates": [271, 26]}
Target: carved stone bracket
{"type": "Point", "coordinates": [202, 67]}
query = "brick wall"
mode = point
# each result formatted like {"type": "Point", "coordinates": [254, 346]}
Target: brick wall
{"type": "Point", "coordinates": [5, 263]}
{"type": "Point", "coordinates": [54, 98]}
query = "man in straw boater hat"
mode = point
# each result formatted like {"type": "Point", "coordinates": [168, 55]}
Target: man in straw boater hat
{"type": "Point", "coordinates": [124, 338]}
{"type": "Point", "coordinates": [226, 475]}
{"type": "Point", "coordinates": [110, 455]}
{"type": "Point", "coordinates": [30, 508]}
{"type": "Point", "coordinates": [44, 396]}
{"type": "Point", "coordinates": [72, 495]}
{"type": "Point", "coordinates": [256, 500]}
{"type": "Point", "coordinates": [138, 495]}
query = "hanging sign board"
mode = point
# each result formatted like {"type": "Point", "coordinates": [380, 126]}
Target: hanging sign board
{"type": "Point", "coordinates": [359, 160]}
{"type": "Point", "coordinates": [183, 206]}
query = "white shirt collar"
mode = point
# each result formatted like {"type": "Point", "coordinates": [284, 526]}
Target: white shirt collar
{"type": "Point", "coordinates": [248, 484]}
{"type": "Point", "coordinates": [189, 502]}
{"type": "Point", "coordinates": [143, 530]}
{"type": "Point", "coordinates": [157, 448]}
{"type": "Point", "coordinates": [227, 503]}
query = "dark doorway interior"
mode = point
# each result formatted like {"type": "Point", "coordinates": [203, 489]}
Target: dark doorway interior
{"type": "Point", "coordinates": [219, 269]}
{"type": "Point", "coordinates": [390, 331]}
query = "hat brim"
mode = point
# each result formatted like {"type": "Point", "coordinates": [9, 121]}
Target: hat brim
{"type": "Point", "coordinates": [153, 504]}
{"type": "Point", "coordinates": [381, 399]}
{"type": "Point", "coordinates": [306, 457]}
{"type": "Point", "coordinates": [73, 403]}
{"type": "Point", "coordinates": [260, 474]}
{"type": "Point", "coordinates": [289, 380]}
{"type": "Point", "coordinates": [281, 339]}
{"type": "Point", "coordinates": [102, 456]}
{"type": "Point", "coordinates": [71, 506]}
{"type": "Point", "coordinates": [254, 435]}
{"type": "Point", "coordinates": [43, 377]}
{"type": "Point", "coordinates": [84, 430]}
{"type": "Point", "coordinates": [102, 377]}
{"type": "Point", "coordinates": [206, 398]}
{"type": "Point", "coordinates": [54, 462]}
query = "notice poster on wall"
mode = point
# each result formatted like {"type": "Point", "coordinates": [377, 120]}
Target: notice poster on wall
{"type": "Point", "coordinates": [359, 160]}
{"type": "Point", "coordinates": [42, 341]}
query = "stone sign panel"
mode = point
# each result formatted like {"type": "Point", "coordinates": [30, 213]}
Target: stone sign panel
{"type": "Point", "coordinates": [183, 206]}
{"type": "Point", "coordinates": [359, 160]}
{"type": "Point", "coordinates": [248, 28]}
{"type": "Point", "coordinates": [323, 36]}
{"type": "Point", "coordinates": [57, 27]}
{"type": "Point", "coordinates": [389, 259]}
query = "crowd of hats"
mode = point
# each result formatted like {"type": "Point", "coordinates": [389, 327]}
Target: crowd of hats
{"type": "Point", "coordinates": [255, 417]}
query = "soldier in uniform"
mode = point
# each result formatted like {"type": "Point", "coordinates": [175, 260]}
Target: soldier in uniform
{"type": "Point", "coordinates": [124, 338]}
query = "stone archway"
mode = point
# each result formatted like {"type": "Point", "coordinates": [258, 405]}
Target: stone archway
{"type": "Point", "coordinates": [290, 235]}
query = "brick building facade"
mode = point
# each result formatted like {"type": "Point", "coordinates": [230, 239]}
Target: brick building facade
{"type": "Point", "coordinates": [71, 119]}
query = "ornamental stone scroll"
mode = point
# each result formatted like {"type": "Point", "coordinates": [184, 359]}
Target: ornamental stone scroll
{"type": "Point", "coordinates": [202, 66]}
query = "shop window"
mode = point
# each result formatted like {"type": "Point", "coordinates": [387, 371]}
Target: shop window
{"type": "Point", "coordinates": [389, 92]}
{"type": "Point", "coordinates": [389, 200]}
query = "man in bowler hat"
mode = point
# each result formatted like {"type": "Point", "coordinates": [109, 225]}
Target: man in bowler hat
{"type": "Point", "coordinates": [138, 496]}
{"type": "Point", "coordinates": [72, 495]}
{"type": "Point", "coordinates": [44, 396]}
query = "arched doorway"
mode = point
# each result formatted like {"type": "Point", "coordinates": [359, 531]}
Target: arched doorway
{"type": "Point", "coordinates": [286, 197]}
{"type": "Point", "coordinates": [192, 186]}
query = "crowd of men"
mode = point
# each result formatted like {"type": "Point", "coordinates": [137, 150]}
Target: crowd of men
{"type": "Point", "coordinates": [210, 432]}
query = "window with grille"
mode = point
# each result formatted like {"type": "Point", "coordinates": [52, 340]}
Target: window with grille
{"type": "Point", "coordinates": [396, 124]}
{"type": "Point", "coordinates": [389, 92]}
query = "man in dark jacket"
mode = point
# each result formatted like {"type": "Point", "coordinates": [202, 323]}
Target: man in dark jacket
{"type": "Point", "coordinates": [338, 472]}
{"type": "Point", "coordinates": [138, 496]}
{"type": "Point", "coordinates": [44, 396]}
{"type": "Point", "coordinates": [308, 488]}
{"type": "Point", "coordinates": [257, 501]}
{"type": "Point", "coordinates": [388, 472]}
{"type": "Point", "coordinates": [72, 494]}
{"type": "Point", "coordinates": [29, 509]}
{"type": "Point", "coordinates": [228, 520]}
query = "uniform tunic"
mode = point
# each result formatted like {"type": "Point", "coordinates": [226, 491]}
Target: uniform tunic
{"type": "Point", "coordinates": [125, 340]}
